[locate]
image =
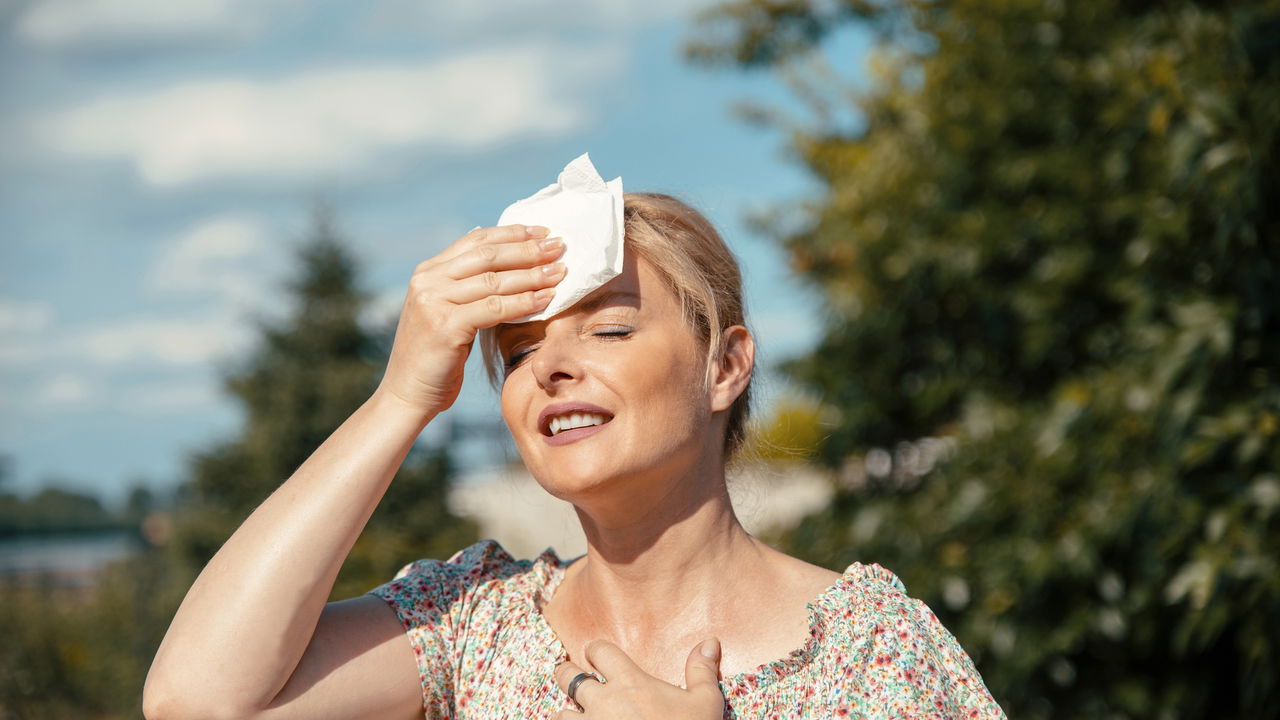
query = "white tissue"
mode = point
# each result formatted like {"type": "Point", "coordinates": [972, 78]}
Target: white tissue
{"type": "Point", "coordinates": [586, 212]}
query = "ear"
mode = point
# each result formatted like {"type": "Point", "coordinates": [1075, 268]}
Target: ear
{"type": "Point", "coordinates": [733, 371]}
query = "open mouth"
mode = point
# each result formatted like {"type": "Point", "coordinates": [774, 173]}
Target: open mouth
{"type": "Point", "coordinates": [572, 422]}
{"type": "Point", "coordinates": [565, 417]}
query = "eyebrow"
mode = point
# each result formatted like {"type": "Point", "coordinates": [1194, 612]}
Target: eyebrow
{"type": "Point", "coordinates": [593, 303]}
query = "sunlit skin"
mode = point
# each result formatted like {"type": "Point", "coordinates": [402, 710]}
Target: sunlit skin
{"type": "Point", "coordinates": [668, 564]}
{"type": "Point", "coordinates": [627, 349]}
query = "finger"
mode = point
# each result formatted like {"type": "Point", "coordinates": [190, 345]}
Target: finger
{"type": "Point", "coordinates": [497, 309]}
{"type": "Point", "coordinates": [491, 236]}
{"type": "Point", "coordinates": [505, 256]}
{"type": "Point", "coordinates": [702, 668]}
{"type": "Point", "coordinates": [506, 282]}
{"type": "Point", "coordinates": [586, 690]}
{"type": "Point", "coordinates": [564, 672]}
{"type": "Point", "coordinates": [480, 236]}
{"type": "Point", "coordinates": [611, 661]}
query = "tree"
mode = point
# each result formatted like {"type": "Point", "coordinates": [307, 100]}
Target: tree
{"type": "Point", "coordinates": [1051, 256]}
{"type": "Point", "coordinates": [309, 373]}
{"type": "Point", "coordinates": [55, 510]}
{"type": "Point", "coordinates": [84, 651]}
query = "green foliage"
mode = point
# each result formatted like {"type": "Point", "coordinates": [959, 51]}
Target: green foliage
{"type": "Point", "coordinates": [1055, 240]}
{"type": "Point", "coordinates": [794, 431]}
{"type": "Point", "coordinates": [54, 509]}
{"type": "Point", "coordinates": [74, 651]}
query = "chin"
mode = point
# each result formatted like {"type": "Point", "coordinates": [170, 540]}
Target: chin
{"type": "Point", "coordinates": [571, 479]}
{"type": "Point", "coordinates": [575, 477]}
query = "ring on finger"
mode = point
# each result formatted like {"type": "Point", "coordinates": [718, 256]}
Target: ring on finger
{"type": "Point", "coordinates": [576, 682]}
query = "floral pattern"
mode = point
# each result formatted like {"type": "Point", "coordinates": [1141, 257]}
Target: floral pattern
{"type": "Point", "coordinates": [485, 652]}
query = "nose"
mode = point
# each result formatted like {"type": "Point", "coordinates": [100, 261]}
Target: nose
{"type": "Point", "coordinates": [555, 363]}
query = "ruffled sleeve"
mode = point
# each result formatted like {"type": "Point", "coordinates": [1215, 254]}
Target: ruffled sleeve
{"type": "Point", "coordinates": [909, 664]}
{"type": "Point", "coordinates": [437, 602]}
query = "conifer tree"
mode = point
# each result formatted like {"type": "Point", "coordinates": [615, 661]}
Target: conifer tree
{"type": "Point", "coordinates": [70, 653]}
{"type": "Point", "coordinates": [310, 371]}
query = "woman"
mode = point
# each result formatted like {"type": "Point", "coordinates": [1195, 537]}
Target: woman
{"type": "Point", "coordinates": [626, 405]}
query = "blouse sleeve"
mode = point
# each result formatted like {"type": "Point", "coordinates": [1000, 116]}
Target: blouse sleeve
{"type": "Point", "coordinates": [965, 691]}
{"type": "Point", "coordinates": [914, 665]}
{"type": "Point", "coordinates": [434, 601]}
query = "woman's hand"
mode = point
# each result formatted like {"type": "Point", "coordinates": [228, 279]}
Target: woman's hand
{"type": "Point", "coordinates": [630, 693]}
{"type": "Point", "coordinates": [489, 276]}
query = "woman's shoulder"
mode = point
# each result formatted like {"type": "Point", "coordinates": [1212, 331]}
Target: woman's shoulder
{"type": "Point", "coordinates": [907, 653]}
{"type": "Point", "coordinates": [869, 598]}
{"type": "Point", "coordinates": [872, 582]}
{"type": "Point", "coordinates": [482, 570]}
{"type": "Point", "coordinates": [482, 557]}
{"type": "Point", "coordinates": [796, 581]}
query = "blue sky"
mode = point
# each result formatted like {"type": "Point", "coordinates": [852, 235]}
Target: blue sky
{"type": "Point", "coordinates": [160, 160]}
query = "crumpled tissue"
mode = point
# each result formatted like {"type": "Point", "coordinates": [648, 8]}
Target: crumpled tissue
{"type": "Point", "coordinates": [586, 212]}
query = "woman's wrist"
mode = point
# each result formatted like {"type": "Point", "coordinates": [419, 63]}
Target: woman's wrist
{"type": "Point", "coordinates": [391, 407]}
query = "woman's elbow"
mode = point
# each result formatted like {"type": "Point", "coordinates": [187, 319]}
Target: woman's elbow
{"type": "Point", "coordinates": [161, 701]}
{"type": "Point", "coordinates": [159, 706]}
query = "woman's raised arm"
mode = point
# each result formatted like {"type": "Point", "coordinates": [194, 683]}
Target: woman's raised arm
{"type": "Point", "coordinates": [253, 637]}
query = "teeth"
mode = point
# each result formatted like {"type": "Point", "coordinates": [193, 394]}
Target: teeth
{"type": "Point", "coordinates": [574, 420]}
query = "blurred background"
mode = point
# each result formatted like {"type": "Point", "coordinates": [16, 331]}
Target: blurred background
{"type": "Point", "coordinates": [1014, 265]}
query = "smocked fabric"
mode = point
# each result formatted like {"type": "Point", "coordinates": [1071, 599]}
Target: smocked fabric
{"type": "Point", "coordinates": [485, 651]}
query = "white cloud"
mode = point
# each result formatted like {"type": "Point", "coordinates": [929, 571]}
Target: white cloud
{"type": "Point", "coordinates": [221, 255]}
{"type": "Point", "coordinates": [332, 121]}
{"type": "Point", "coordinates": [169, 398]}
{"type": "Point", "coordinates": [65, 391]}
{"type": "Point", "coordinates": [17, 353]}
{"type": "Point", "coordinates": [24, 326]}
{"type": "Point", "coordinates": [225, 257]}
{"type": "Point", "coordinates": [494, 18]}
{"type": "Point", "coordinates": [161, 340]}
{"type": "Point", "coordinates": [20, 317]}
{"type": "Point", "coordinates": [384, 307]}
{"type": "Point", "coordinates": [77, 23]}
{"type": "Point", "coordinates": [74, 392]}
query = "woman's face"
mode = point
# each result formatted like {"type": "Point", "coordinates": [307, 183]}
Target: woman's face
{"type": "Point", "coordinates": [613, 388]}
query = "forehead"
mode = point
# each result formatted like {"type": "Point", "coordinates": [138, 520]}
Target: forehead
{"type": "Point", "coordinates": [638, 287]}
{"type": "Point", "coordinates": [630, 288]}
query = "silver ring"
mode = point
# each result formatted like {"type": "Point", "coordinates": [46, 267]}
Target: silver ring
{"type": "Point", "coordinates": [577, 681]}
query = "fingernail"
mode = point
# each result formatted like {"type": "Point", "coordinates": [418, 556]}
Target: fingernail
{"type": "Point", "coordinates": [553, 269]}
{"type": "Point", "coordinates": [711, 648]}
{"type": "Point", "coordinates": [551, 244]}
{"type": "Point", "coordinates": [544, 294]}
{"type": "Point", "coordinates": [536, 231]}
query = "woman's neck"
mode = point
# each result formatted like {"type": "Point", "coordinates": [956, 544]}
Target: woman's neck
{"type": "Point", "coordinates": [661, 565]}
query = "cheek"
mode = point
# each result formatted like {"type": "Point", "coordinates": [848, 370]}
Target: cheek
{"type": "Point", "coordinates": [674, 390]}
{"type": "Point", "coordinates": [512, 409]}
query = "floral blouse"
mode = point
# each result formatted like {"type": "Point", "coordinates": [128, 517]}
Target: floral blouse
{"type": "Point", "coordinates": [485, 652]}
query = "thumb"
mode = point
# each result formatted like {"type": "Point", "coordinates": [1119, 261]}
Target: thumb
{"type": "Point", "coordinates": [702, 669]}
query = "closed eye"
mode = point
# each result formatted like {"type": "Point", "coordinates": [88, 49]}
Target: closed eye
{"type": "Point", "coordinates": [517, 357]}
{"type": "Point", "coordinates": [612, 332]}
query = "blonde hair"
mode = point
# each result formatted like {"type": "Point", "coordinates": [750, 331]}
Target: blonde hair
{"type": "Point", "coordinates": [696, 265]}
